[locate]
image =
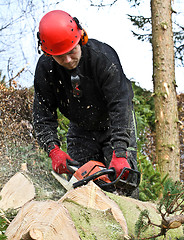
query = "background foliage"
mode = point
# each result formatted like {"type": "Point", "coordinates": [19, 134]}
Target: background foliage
{"type": "Point", "coordinates": [17, 142]}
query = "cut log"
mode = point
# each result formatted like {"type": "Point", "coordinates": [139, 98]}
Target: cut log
{"type": "Point", "coordinates": [16, 192]}
{"type": "Point", "coordinates": [124, 209]}
{"type": "Point", "coordinates": [36, 234]}
{"type": "Point", "coordinates": [85, 213]}
{"type": "Point", "coordinates": [47, 220]}
{"type": "Point", "coordinates": [92, 196]}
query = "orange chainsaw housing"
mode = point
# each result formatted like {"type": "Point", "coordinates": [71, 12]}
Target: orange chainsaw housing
{"type": "Point", "coordinates": [90, 168]}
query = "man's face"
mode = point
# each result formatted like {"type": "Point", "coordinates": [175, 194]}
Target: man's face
{"type": "Point", "coordinates": [71, 59]}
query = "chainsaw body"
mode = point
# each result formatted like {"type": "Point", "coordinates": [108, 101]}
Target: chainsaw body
{"type": "Point", "coordinates": [96, 171]}
{"type": "Point", "coordinates": [90, 168]}
{"type": "Point", "coordinates": [103, 177]}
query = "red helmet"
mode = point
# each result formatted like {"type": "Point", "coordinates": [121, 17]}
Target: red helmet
{"type": "Point", "coordinates": [59, 33]}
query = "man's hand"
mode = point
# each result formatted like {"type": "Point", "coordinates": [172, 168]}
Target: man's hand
{"type": "Point", "coordinates": [61, 161]}
{"type": "Point", "coordinates": [119, 163]}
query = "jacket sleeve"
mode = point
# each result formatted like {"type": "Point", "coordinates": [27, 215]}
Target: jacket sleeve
{"type": "Point", "coordinates": [45, 105]}
{"type": "Point", "coordinates": [115, 88]}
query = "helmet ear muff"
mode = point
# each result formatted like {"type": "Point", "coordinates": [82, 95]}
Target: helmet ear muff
{"type": "Point", "coordinates": [84, 36]}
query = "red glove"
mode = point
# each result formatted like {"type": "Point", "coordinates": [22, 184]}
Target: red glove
{"type": "Point", "coordinates": [61, 161]}
{"type": "Point", "coordinates": [119, 163]}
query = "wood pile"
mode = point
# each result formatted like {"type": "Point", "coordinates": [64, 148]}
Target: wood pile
{"type": "Point", "coordinates": [82, 213]}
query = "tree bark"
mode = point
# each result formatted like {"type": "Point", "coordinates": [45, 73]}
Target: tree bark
{"type": "Point", "coordinates": [167, 133]}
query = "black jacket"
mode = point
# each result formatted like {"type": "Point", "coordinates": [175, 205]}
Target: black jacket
{"type": "Point", "coordinates": [104, 95]}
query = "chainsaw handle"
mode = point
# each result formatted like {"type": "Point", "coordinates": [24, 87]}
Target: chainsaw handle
{"type": "Point", "coordinates": [115, 182]}
{"type": "Point", "coordinates": [128, 180]}
{"type": "Point", "coordinates": [92, 177]}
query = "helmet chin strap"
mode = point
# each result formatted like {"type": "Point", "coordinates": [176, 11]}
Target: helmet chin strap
{"type": "Point", "coordinates": [39, 43]}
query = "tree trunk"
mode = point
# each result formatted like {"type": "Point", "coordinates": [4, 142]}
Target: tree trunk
{"type": "Point", "coordinates": [166, 113]}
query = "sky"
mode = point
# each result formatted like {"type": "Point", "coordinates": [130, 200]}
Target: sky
{"type": "Point", "coordinates": [111, 25]}
{"type": "Point", "coordinates": [107, 24]}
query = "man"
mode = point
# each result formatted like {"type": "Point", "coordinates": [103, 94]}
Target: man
{"type": "Point", "coordinates": [85, 81]}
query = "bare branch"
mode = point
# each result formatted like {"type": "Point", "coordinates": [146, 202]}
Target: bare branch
{"type": "Point", "coordinates": [17, 75]}
{"type": "Point", "coordinates": [101, 4]}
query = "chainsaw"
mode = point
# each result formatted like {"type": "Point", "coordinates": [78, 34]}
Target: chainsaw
{"type": "Point", "coordinates": [103, 177]}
